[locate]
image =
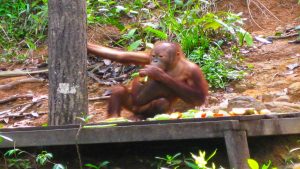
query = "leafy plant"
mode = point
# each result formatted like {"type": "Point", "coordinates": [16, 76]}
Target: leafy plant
{"type": "Point", "coordinates": [200, 161]}
{"type": "Point", "coordinates": [21, 159]}
{"type": "Point", "coordinates": [202, 36]}
{"type": "Point", "coordinates": [14, 160]}
{"type": "Point", "coordinates": [293, 155]}
{"type": "Point", "coordinates": [253, 164]}
{"type": "Point", "coordinates": [99, 166]}
{"type": "Point", "coordinates": [170, 161]}
{"type": "Point", "coordinates": [43, 158]}
{"type": "Point", "coordinates": [23, 24]}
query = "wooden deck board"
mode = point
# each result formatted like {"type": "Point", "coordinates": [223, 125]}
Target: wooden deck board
{"type": "Point", "coordinates": [153, 131]}
{"type": "Point", "coordinates": [132, 133]}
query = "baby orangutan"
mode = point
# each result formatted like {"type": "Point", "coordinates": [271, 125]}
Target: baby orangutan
{"type": "Point", "coordinates": [170, 76]}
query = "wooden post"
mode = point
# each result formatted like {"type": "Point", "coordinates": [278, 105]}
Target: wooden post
{"type": "Point", "coordinates": [237, 149]}
{"type": "Point", "coordinates": [67, 61]}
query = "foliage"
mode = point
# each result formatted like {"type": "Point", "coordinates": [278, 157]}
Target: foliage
{"type": "Point", "coordinates": [99, 166]}
{"type": "Point", "coordinates": [253, 164]}
{"type": "Point", "coordinates": [200, 161]}
{"type": "Point", "coordinates": [203, 33]}
{"type": "Point", "coordinates": [23, 24]}
{"type": "Point", "coordinates": [20, 159]}
{"type": "Point", "coordinates": [196, 162]}
{"type": "Point", "coordinates": [43, 157]}
{"type": "Point", "coordinates": [293, 155]}
{"type": "Point", "coordinates": [170, 161]}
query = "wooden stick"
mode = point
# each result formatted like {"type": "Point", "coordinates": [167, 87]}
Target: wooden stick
{"type": "Point", "coordinates": [90, 74]}
{"type": "Point", "coordinates": [15, 97]}
{"type": "Point", "coordinates": [20, 73]}
{"type": "Point", "coordinates": [14, 83]}
{"type": "Point", "coordinates": [99, 98]}
{"type": "Point", "coordinates": [283, 37]}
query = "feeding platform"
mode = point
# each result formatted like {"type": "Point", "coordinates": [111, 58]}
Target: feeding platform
{"type": "Point", "coordinates": [234, 129]}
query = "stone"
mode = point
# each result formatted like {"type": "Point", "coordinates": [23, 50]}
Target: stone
{"type": "Point", "coordinates": [213, 100]}
{"type": "Point", "coordinates": [240, 88]}
{"type": "Point", "coordinates": [245, 102]}
{"type": "Point", "coordinates": [278, 83]}
{"type": "Point", "coordinates": [267, 97]}
{"type": "Point", "coordinates": [283, 99]}
{"type": "Point", "coordinates": [294, 90]}
{"type": "Point", "coordinates": [282, 107]}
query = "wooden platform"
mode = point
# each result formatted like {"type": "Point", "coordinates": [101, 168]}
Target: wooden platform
{"type": "Point", "coordinates": [235, 130]}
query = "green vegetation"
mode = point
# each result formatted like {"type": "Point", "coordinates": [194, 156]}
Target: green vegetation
{"type": "Point", "coordinates": [23, 25]}
{"type": "Point", "coordinates": [209, 38]}
{"type": "Point", "coordinates": [170, 161]}
{"type": "Point", "coordinates": [199, 161]}
{"type": "Point", "coordinates": [99, 166]}
{"type": "Point", "coordinates": [253, 164]}
{"type": "Point", "coordinates": [19, 159]}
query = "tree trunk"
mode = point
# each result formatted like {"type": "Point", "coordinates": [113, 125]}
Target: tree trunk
{"type": "Point", "coordinates": [67, 61]}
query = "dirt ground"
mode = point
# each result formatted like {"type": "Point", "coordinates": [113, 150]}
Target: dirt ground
{"type": "Point", "coordinates": [269, 74]}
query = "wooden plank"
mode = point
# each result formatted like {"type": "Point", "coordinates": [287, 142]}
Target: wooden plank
{"type": "Point", "coordinates": [241, 118]}
{"type": "Point", "coordinates": [237, 149]}
{"type": "Point", "coordinates": [155, 132]}
{"type": "Point", "coordinates": [268, 127]}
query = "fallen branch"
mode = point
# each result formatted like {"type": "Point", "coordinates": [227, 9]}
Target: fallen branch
{"type": "Point", "coordinates": [10, 113]}
{"type": "Point", "coordinates": [295, 41]}
{"type": "Point", "coordinates": [90, 74]}
{"type": "Point", "coordinates": [99, 98]}
{"type": "Point", "coordinates": [283, 37]}
{"type": "Point", "coordinates": [23, 115]}
{"type": "Point", "coordinates": [15, 97]}
{"type": "Point", "coordinates": [20, 73]}
{"type": "Point", "coordinates": [14, 83]}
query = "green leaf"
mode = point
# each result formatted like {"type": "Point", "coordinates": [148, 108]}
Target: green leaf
{"type": "Point", "coordinates": [266, 166]}
{"type": "Point", "coordinates": [120, 8]}
{"type": "Point", "coordinates": [130, 34]}
{"type": "Point", "coordinates": [11, 152]}
{"type": "Point", "coordinates": [248, 39]}
{"type": "Point", "coordinates": [161, 35]}
{"type": "Point", "coordinates": [103, 164]}
{"type": "Point", "coordinates": [134, 45]}
{"type": "Point", "coordinates": [58, 166]}
{"type": "Point", "coordinates": [43, 157]}
{"type": "Point", "coordinates": [252, 164]}
{"type": "Point", "coordinates": [213, 154]}
{"type": "Point", "coordinates": [160, 117]}
{"type": "Point", "coordinates": [135, 74]}
{"type": "Point", "coordinates": [178, 2]}
{"type": "Point", "coordinates": [91, 166]}
{"type": "Point", "coordinates": [192, 165]}
{"type": "Point", "coordinates": [212, 25]}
